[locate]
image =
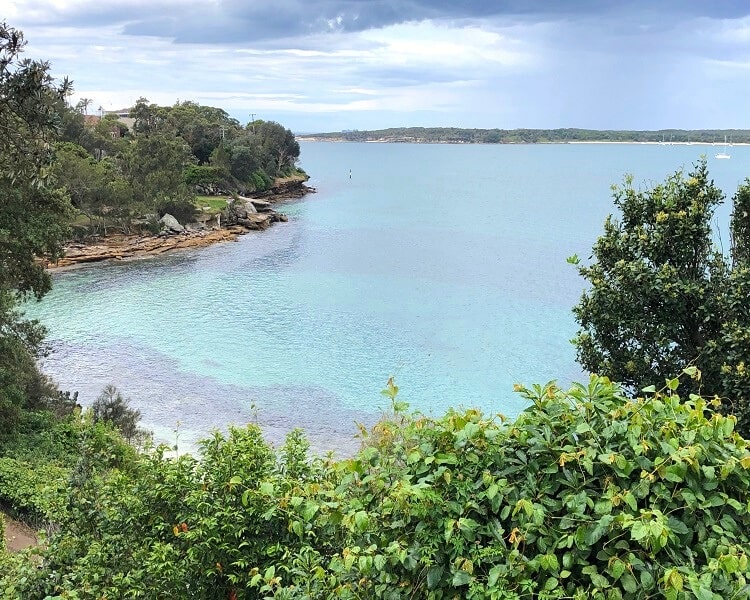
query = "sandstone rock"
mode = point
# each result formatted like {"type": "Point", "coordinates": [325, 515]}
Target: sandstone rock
{"type": "Point", "coordinates": [257, 222]}
{"type": "Point", "coordinates": [261, 205]}
{"type": "Point", "coordinates": [171, 224]}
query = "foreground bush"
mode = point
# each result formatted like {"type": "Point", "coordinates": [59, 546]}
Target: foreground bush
{"type": "Point", "coordinates": [588, 494]}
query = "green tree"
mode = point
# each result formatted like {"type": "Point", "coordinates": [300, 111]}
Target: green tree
{"type": "Point", "coordinates": [651, 305]}
{"type": "Point", "coordinates": [22, 385]}
{"type": "Point", "coordinates": [662, 297]}
{"type": "Point", "coordinates": [202, 127]}
{"type": "Point", "coordinates": [246, 158]}
{"type": "Point", "coordinates": [33, 211]}
{"type": "Point", "coordinates": [280, 149]}
{"type": "Point", "coordinates": [112, 407]}
{"type": "Point", "coordinates": [740, 225]}
{"type": "Point", "coordinates": [85, 179]}
{"type": "Point", "coordinates": [146, 116]}
{"type": "Point", "coordinates": [154, 166]}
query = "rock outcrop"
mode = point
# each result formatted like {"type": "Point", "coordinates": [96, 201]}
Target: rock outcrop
{"type": "Point", "coordinates": [244, 214]}
{"type": "Point", "coordinates": [169, 223]}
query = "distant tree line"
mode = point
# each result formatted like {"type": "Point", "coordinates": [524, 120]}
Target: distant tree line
{"type": "Point", "coordinates": [455, 135]}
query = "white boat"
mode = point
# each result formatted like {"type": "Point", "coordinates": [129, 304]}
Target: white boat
{"type": "Point", "coordinates": [723, 154]}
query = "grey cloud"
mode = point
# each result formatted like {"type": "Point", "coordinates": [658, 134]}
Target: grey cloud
{"type": "Point", "coordinates": [262, 21]}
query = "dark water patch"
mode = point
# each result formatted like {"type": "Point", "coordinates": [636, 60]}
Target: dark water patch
{"type": "Point", "coordinates": [173, 401]}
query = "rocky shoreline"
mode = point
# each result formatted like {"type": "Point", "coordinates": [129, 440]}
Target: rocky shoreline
{"type": "Point", "coordinates": [248, 214]}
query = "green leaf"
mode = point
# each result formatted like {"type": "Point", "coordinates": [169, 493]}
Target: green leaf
{"type": "Point", "coordinates": [617, 569]}
{"type": "Point", "coordinates": [678, 526]}
{"type": "Point", "coordinates": [461, 578]}
{"type": "Point", "coordinates": [600, 528]}
{"type": "Point", "coordinates": [688, 497]}
{"type": "Point", "coordinates": [361, 520]}
{"type": "Point", "coordinates": [380, 562]}
{"type": "Point", "coordinates": [434, 576]}
{"type": "Point", "coordinates": [309, 510]}
{"type": "Point", "coordinates": [647, 580]}
{"type": "Point", "coordinates": [629, 584]}
{"type": "Point", "coordinates": [494, 575]}
{"type": "Point", "coordinates": [639, 531]}
{"type": "Point", "coordinates": [630, 500]}
{"type": "Point", "coordinates": [691, 371]}
{"type": "Point", "coordinates": [651, 389]}
{"type": "Point", "coordinates": [446, 459]}
{"type": "Point", "coordinates": [675, 473]}
{"type": "Point", "coordinates": [599, 581]}
{"type": "Point", "coordinates": [297, 528]}
{"type": "Point", "coordinates": [266, 488]}
{"type": "Point", "coordinates": [704, 593]}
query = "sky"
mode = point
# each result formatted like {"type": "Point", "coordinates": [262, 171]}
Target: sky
{"type": "Point", "coordinates": [328, 65]}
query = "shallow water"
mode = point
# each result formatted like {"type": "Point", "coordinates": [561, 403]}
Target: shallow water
{"type": "Point", "coordinates": [441, 265]}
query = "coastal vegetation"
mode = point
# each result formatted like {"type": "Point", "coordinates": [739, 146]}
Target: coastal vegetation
{"type": "Point", "coordinates": [589, 493]}
{"type": "Point", "coordinates": [456, 135]}
{"type": "Point", "coordinates": [663, 297]}
{"type": "Point", "coordinates": [122, 178]}
{"type": "Point", "coordinates": [601, 491]}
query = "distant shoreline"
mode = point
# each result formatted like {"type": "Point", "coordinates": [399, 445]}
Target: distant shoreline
{"type": "Point", "coordinates": [564, 135]}
{"type": "Point", "coordinates": [608, 142]}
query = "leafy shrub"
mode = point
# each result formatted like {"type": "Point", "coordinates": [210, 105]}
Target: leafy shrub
{"type": "Point", "coordinates": [36, 493]}
{"type": "Point", "coordinates": [45, 455]}
{"type": "Point", "coordinates": [204, 174]}
{"type": "Point", "coordinates": [260, 180]}
{"type": "Point", "coordinates": [181, 208]}
{"type": "Point", "coordinates": [42, 437]}
{"type": "Point", "coordinates": [587, 494]}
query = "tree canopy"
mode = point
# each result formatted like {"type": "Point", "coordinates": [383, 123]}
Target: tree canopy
{"type": "Point", "coordinates": [118, 176]}
{"type": "Point", "coordinates": [33, 209]}
{"type": "Point", "coordinates": [33, 215]}
{"type": "Point", "coordinates": [662, 297]}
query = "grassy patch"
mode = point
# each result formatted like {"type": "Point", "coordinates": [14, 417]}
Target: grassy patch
{"type": "Point", "coordinates": [215, 203]}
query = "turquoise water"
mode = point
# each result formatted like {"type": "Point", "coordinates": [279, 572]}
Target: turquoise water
{"type": "Point", "coordinates": [441, 265]}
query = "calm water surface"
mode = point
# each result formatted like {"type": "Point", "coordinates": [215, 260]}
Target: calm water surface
{"type": "Point", "coordinates": [441, 265]}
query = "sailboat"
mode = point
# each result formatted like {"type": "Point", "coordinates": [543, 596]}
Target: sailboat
{"type": "Point", "coordinates": [723, 154]}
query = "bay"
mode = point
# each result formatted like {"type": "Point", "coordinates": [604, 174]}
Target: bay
{"type": "Point", "coordinates": [441, 265]}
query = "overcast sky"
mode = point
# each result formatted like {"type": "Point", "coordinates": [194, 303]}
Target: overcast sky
{"type": "Point", "coordinates": [326, 65]}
